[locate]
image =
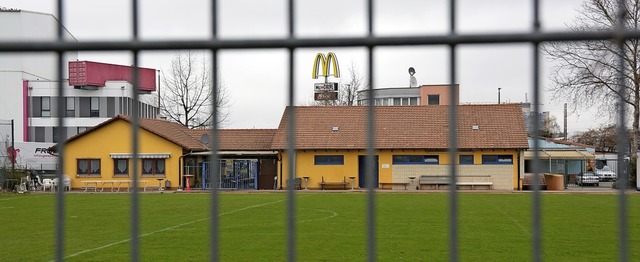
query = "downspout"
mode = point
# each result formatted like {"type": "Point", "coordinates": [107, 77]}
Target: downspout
{"type": "Point", "coordinates": [280, 177]}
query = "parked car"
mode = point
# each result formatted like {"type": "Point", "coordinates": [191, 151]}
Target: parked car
{"type": "Point", "coordinates": [606, 174]}
{"type": "Point", "coordinates": [588, 178]}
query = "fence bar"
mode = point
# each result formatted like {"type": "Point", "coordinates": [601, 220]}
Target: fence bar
{"type": "Point", "coordinates": [135, 196]}
{"type": "Point", "coordinates": [291, 144]}
{"type": "Point", "coordinates": [453, 142]}
{"type": "Point", "coordinates": [458, 39]}
{"type": "Point", "coordinates": [370, 160]}
{"type": "Point", "coordinates": [536, 216]}
{"type": "Point", "coordinates": [622, 140]}
{"type": "Point", "coordinates": [61, 135]}
{"type": "Point", "coordinates": [214, 166]}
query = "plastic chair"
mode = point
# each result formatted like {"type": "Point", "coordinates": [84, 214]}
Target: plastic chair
{"type": "Point", "coordinates": [47, 183]}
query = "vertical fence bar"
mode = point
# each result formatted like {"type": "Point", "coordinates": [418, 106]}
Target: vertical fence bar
{"type": "Point", "coordinates": [214, 166]}
{"type": "Point", "coordinates": [453, 142]}
{"type": "Point", "coordinates": [61, 138]}
{"type": "Point", "coordinates": [370, 160]}
{"type": "Point", "coordinates": [135, 197]}
{"type": "Point", "coordinates": [622, 140]}
{"type": "Point", "coordinates": [536, 217]}
{"type": "Point", "coordinates": [291, 144]}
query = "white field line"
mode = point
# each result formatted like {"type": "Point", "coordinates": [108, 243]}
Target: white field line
{"type": "Point", "coordinates": [515, 221]}
{"type": "Point", "coordinates": [6, 207]}
{"type": "Point", "coordinates": [166, 229]}
{"type": "Point", "coordinates": [333, 214]}
{"type": "Point", "coordinates": [7, 199]}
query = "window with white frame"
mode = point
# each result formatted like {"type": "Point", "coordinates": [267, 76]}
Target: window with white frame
{"type": "Point", "coordinates": [45, 106]}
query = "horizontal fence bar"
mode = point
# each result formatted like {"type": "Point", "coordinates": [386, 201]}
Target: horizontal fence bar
{"type": "Point", "coordinates": [527, 37]}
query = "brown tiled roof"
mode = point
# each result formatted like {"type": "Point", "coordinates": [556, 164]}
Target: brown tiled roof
{"type": "Point", "coordinates": [405, 127]}
{"type": "Point", "coordinates": [241, 139]}
{"type": "Point", "coordinates": [170, 131]}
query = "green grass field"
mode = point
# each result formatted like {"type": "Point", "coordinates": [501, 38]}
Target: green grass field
{"type": "Point", "coordinates": [330, 227]}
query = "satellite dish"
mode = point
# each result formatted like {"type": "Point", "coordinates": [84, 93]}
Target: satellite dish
{"type": "Point", "coordinates": [204, 138]}
{"type": "Point", "coordinates": [412, 71]}
{"type": "Point", "coordinates": [413, 82]}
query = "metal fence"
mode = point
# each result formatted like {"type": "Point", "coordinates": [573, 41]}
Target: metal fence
{"type": "Point", "coordinates": [452, 39]}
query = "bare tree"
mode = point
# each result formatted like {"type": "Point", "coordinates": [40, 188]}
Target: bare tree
{"type": "Point", "coordinates": [187, 91]}
{"type": "Point", "coordinates": [587, 71]}
{"type": "Point", "coordinates": [550, 128]}
{"type": "Point", "coordinates": [602, 138]}
{"type": "Point", "coordinates": [348, 91]}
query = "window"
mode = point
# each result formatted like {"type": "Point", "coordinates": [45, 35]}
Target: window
{"type": "Point", "coordinates": [466, 160]}
{"type": "Point", "coordinates": [71, 107]}
{"type": "Point", "coordinates": [497, 159]}
{"type": "Point", "coordinates": [153, 167]}
{"type": "Point", "coordinates": [416, 160]}
{"type": "Point", "coordinates": [81, 129]}
{"type": "Point", "coordinates": [121, 167]}
{"type": "Point", "coordinates": [433, 99]}
{"type": "Point", "coordinates": [45, 106]}
{"type": "Point", "coordinates": [95, 107]}
{"type": "Point", "coordinates": [89, 167]}
{"type": "Point", "coordinates": [414, 101]}
{"type": "Point", "coordinates": [329, 160]}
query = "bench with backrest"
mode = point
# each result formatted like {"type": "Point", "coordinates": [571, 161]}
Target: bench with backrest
{"type": "Point", "coordinates": [527, 182]}
{"type": "Point", "coordinates": [435, 181]}
{"type": "Point", "coordinates": [342, 183]}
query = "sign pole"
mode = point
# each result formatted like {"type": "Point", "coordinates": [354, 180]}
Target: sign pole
{"type": "Point", "coordinates": [13, 148]}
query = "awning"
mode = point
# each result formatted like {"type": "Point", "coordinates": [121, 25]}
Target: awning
{"type": "Point", "coordinates": [560, 154]}
{"type": "Point", "coordinates": [237, 153]}
{"type": "Point", "coordinates": [141, 155]}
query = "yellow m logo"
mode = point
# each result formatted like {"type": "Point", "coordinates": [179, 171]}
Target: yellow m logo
{"type": "Point", "coordinates": [326, 62]}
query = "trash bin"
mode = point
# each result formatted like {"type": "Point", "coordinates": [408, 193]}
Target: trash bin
{"type": "Point", "coordinates": [554, 182]}
{"type": "Point", "coordinates": [167, 184]}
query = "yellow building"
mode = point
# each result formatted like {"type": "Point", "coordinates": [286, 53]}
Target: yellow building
{"type": "Point", "coordinates": [104, 154]}
{"type": "Point", "coordinates": [410, 142]}
{"type": "Point", "coordinates": [411, 147]}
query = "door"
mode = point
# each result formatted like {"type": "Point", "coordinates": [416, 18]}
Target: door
{"type": "Point", "coordinates": [362, 170]}
{"type": "Point", "coordinates": [268, 171]}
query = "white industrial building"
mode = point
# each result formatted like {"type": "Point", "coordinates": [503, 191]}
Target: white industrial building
{"type": "Point", "coordinates": [28, 86]}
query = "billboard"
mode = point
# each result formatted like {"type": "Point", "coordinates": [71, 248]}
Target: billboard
{"type": "Point", "coordinates": [30, 155]}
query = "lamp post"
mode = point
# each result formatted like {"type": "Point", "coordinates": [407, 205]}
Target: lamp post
{"type": "Point", "coordinates": [499, 94]}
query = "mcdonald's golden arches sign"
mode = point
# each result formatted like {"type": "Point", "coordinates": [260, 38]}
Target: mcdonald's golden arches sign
{"type": "Point", "coordinates": [328, 62]}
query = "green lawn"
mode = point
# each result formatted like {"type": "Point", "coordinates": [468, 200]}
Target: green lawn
{"type": "Point", "coordinates": [330, 227]}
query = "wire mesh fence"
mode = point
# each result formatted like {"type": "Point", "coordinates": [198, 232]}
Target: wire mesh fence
{"type": "Point", "coordinates": [291, 42]}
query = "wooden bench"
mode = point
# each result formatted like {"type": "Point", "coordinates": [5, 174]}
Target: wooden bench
{"type": "Point", "coordinates": [94, 184]}
{"type": "Point", "coordinates": [391, 184]}
{"type": "Point", "coordinates": [474, 184]}
{"type": "Point", "coordinates": [527, 182]}
{"type": "Point", "coordinates": [342, 183]}
{"type": "Point", "coordinates": [436, 181]}
{"type": "Point", "coordinates": [87, 184]}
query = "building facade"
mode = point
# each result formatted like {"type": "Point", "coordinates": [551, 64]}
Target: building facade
{"type": "Point", "coordinates": [410, 96]}
{"type": "Point", "coordinates": [411, 141]}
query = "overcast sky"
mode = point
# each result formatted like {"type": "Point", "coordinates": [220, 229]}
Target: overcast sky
{"type": "Point", "coordinates": [256, 79]}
